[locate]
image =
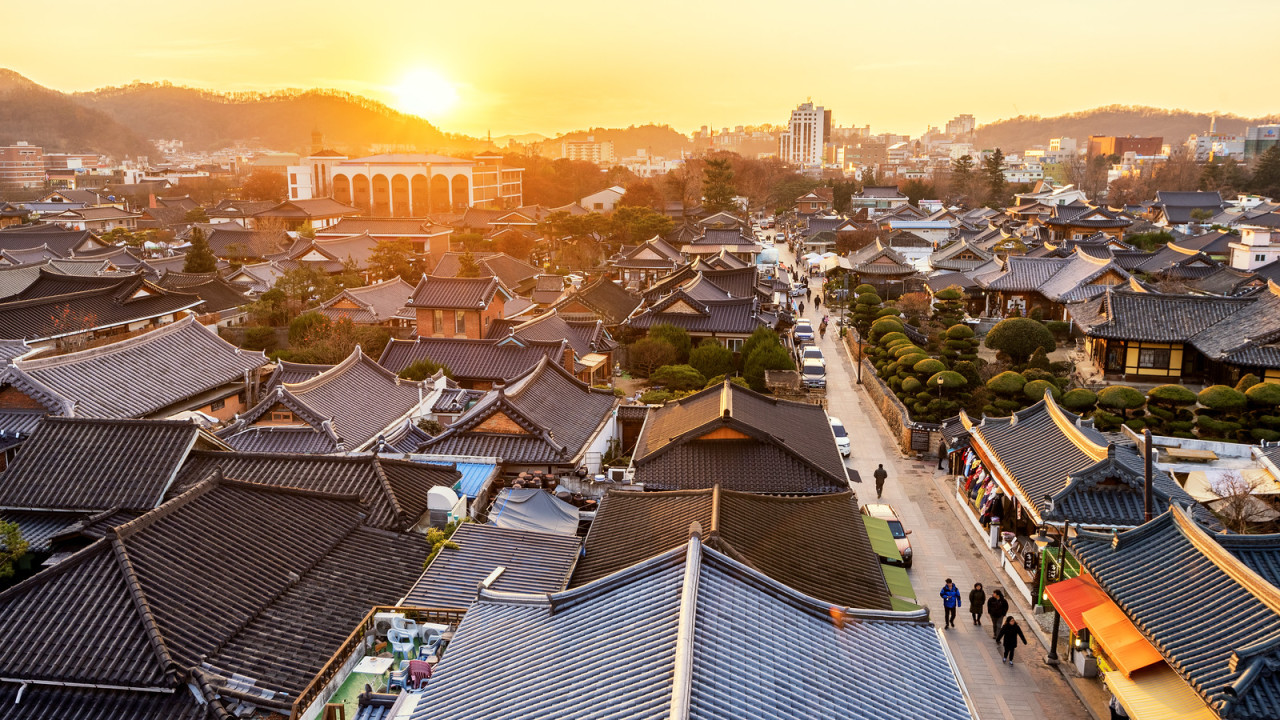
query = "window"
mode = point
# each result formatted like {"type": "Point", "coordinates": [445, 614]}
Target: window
{"type": "Point", "coordinates": [217, 405]}
{"type": "Point", "coordinates": [1260, 258]}
{"type": "Point", "coordinates": [459, 322]}
{"type": "Point", "coordinates": [1153, 358]}
{"type": "Point", "coordinates": [281, 416]}
{"type": "Point", "coordinates": [293, 178]}
{"type": "Point", "coordinates": [734, 344]}
{"type": "Point", "coordinates": [597, 206]}
{"type": "Point", "coordinates": [437, 322]}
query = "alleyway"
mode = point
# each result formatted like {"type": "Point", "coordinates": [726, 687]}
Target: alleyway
{"type": "Point", "coordinates": [943, 548]}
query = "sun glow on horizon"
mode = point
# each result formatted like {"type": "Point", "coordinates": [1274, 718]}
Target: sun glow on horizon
{"type": "Point", "coordinates": [426, 93]}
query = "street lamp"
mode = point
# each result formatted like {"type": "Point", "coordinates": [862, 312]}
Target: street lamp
{"type": "Point", "coordinates": [1052, 657]}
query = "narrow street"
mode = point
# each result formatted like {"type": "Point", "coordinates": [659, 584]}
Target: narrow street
{"type": "Point", "coordinates": [943, 549]}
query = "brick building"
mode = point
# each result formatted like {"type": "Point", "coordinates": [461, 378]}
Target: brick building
{"type": "Point", "coordinates": [1109, 145]}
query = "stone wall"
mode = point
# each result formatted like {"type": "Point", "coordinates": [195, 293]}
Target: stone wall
{"type": "Point", "coordinates": [895, 414]}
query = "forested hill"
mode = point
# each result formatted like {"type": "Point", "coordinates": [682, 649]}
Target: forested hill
{"type": "Point", "coordinates": [1175, 126]}
{"type": "Point", "coordinates": [281, 120]}
{"type": "Point", "coordinates": [57, 123]}
{"type": "Point", "coordinates": [659, 140]}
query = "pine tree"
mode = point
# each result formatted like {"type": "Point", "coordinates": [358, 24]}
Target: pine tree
{"type": "Point", "coordinates": [200, 258]}
{"type": "Point", "coordinates": [962, 175]}
{"type": "Point", "coordinates": [717, 186]}
{"type": "Point", "coordinates": [1266, 174]}
{"type": "Point", "coordinates": [993, 173]}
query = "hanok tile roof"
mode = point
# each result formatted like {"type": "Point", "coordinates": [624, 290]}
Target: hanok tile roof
{"type": "Point", "coordinates": [532, 562]}
{"type": "Point", "coordinates": [239, 208]}
{"type": "Point", "coordinates": [46, 702]}
{"type": "Point", "coordinates": [77, 464]}
{"type": "Point", "coordinates": [1080, 215]}
{"type": "Point", "coordinates": [549, 327]}
{"type": "Point", "coordinates": [356, 249]}
{"type": "Point", "coordinates": [127, 299]}
{"type": "Point", "coordinates": [667, 257]}
{"type": "Point", "coordinates": [683, 629]}
{"type": "Point", "coordinates": [145, 374]}
{"type": "Point", "coordinates": [740, 317]}
{"type": "Point", "coordinates": [557, 414]}
{"type": "Point", "coordinates": [512, 272]}
{"type": "Point", "coordinates": [51, 283]}
{"type": "Point", "coordinates": [878, 191]}
{"type": "Point", "coordinates": [815, 544]}
{"type": "Point", "coordinates": [378, 303]}
{"type": "Point", "coordinates": [63, 242]}
{"type": "Point", "coordinates": [607, 301]}
{"type": "Point", "coordinates": [547, 289]}
{"type": "Point", "coordinates": [1236, 330]}
{"type": "Point", "coordinates": [1177, 206]}
{"type": "Point", "coordinates": [948, 257]}
{"type": "Point", "coordinates": [880, 259]}
{"type": "Point", "coordinates": [1110, 492]}
{"type": "Point", "coordinates": [1210, 243]}
{"type": "Point", "coordinates": [1215, 620]}
{"type": "Point", "coordinates": [216, 294]}
{"type": "Point", "coordinates": [292, 372]}
{"type": "Point", "coordinates": [228, 240]}
{"type": "Point", "coordinates": [16, 278]}
{"type": "Point", "coordinates": [471, 360]}
{"type": "Point", "coordinates": [29, 255]}
{"type": "Point", "coordinates": [394, 492]}
{"type": "Point", "coordinates": [780, 446]}
{"type": "Point", "coordinates": [323, 207]}
{"type": "Point", "coordinates": [352, 402]}
{"type": "Point", "coordinates": [454, 292]}
{"type": "Point", "coordinates": [383, 228]}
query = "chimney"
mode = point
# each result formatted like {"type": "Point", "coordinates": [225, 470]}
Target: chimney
{"type": "Point", "coordinates": [1146, 479]}
{"type": "Point", "coordinates": [568, 359]}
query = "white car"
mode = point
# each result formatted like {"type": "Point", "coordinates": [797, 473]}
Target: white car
{"type": "Point", "coordinates": [842, 436]}
{"type": "Point", "coordinates": [812, 352]}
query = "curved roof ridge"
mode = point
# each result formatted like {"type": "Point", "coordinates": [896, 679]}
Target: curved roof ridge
{"type": "Point", "coordinates": [1234, 567]}
{"type": "Point", "coordinates": [1066, 422]}
{"type": "Point", "coordinates": [128, 343]}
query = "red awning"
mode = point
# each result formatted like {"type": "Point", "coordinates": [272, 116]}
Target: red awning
{"type": "Point", "coordinates": [1072, 597]}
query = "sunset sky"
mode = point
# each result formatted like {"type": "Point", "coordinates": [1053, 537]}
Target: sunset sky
{"type": "Point", "coordinates": [510, 66]}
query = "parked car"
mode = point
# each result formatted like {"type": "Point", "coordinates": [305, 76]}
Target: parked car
{"type": "Point", "coordinates": [842, 436]}
{"type": "Point", "coordinates": [812, 352]}
{"type": "Point", "coordinates": [885, 512]}
{"type": "Point", "coordinates": [797, 291]}
{"type": "Point", "coordinates": [814, 373]}
{"type": "Point", "coordinates": [803, 331]}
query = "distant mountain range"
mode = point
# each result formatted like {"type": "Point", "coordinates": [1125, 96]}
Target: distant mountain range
{"type": "Point", "coordinates": [1175, 126]}
{"type": "Point", "coordinates": [122, 121]}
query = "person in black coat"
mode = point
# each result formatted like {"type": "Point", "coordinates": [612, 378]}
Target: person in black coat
{"type": "Point", "coordinates": [1009, 635]}
{"type": "Point", "coordinates": [997, 608]}
{"type": "Point", "coordinates": [977, 597]}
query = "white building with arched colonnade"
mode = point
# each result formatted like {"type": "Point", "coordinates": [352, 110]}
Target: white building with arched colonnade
{"type": "Point", "coordinates": [408, 184]}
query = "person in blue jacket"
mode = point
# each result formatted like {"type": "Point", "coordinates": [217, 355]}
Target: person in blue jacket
{"type": "Point", "coordinates": [950, 601]}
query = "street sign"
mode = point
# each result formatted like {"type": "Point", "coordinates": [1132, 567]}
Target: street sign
{"type": "Point", "coordinates": [920, 440]}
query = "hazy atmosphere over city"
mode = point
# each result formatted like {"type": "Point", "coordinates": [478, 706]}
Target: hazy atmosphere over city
{"type": "Point", "coordinates": [571, 361]}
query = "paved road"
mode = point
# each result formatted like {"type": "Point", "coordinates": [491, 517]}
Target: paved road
{"type": "Point", "coordinates": [943, 549]}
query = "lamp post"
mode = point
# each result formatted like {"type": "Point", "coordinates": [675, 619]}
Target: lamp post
{"type": "Point", "coordinates": [1052, 657]}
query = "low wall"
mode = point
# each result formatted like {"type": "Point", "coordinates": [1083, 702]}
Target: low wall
{"type": "Point", "coordinates": [895, 414]}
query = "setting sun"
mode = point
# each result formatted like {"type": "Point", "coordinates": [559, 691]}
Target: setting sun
{"type": "Point", "coordinates": [425, 93]}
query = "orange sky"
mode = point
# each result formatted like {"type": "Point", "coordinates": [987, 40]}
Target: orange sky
{"type": "Point", "coordinates": [518, 66]}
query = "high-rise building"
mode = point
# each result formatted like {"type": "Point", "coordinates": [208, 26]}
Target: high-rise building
{"type": "Point", "coordinates": [961, 125]}
{"type": "Point", "coordinates": [1259, 139]}
{"type": "Point", "coordinates": [21, 166]}
{"type": "Point", "coordinates": [807, 136]}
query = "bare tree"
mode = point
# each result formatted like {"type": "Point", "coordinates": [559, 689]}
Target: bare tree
{"type": "Point", "coordinates": [1239, 507]}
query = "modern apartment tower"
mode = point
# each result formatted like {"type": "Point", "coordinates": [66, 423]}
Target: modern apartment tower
{"type": "Point", "coordinates": [807, 137]}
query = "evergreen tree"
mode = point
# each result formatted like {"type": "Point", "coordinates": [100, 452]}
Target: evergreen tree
{"type": "Point", "coordinates": [200, 258]}
{"type": "Point", "coordinates": [468, 266]}
{"type": "Point", "coordinates": [717, 186]}
{"type": "Point", "coordinates": [993, 174]}
{"type": "Point", "coordinates": [962, 175]}
{"type": "Point", "coordinates": [1266, 174]}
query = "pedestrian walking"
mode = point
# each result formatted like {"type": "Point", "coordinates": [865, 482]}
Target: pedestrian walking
{"type": "Point", "coordinates": [880, 474]}
{"type": "Point", "coordinates": [1117, 710]}
{"type": "Point", "coordinates": [818, 302]}
{"type": "Point", "coordinates": [997, 608]}
{"type": "Point", "coordinates": [801, 308]}
{"type": "Point", "coordinates": [942, 455]}
{"type": "Point", "coordinates": [1009, 635]}
{"type": "Point", "coordinates": [977, 599]}
{"type": "Point", "coordinates": [950, 595]}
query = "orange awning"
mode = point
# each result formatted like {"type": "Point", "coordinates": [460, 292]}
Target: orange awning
{"type": "Point", "coordinates": [1122, 642]}
{"type": "Point", "coordinates": [1072, 597]}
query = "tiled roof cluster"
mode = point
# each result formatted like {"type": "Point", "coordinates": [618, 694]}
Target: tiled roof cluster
{"type": "Point", "coordinates": [345, 408]}
{"type": "Point", "coordinates": [1237, 330]}
{"type": "Point", "coordinates": [394, 492]}
{"type": "Point", "coordinates": [532, 562]}
{"type": "Point", "coordinates": [1214, 620]}
{"type": "Point", "coordinates": [761, 444]}
{"type": "Point", "coordinates": [472, 360]}
{"type": "Point", "coordinates": [511, 272]}
{"type": "Point", "coordinates": [684, 629]}
{"type": "Point", "coordinates": [608, 301]}
{"type": "Point", "coordinates": [735, 316]}
{"type": "Point", "coordinates": [454, 292]}
{"type": "Point", "coordinates": [825, 553]}
{"type": "Point", "coordinates": [557, 416]}
{"type": "Point", "coordinates": [140, 376]}
{"type": "Point", "coordinates": [377, 303]}
{"type": "Point", "coordinates": [54, 305]}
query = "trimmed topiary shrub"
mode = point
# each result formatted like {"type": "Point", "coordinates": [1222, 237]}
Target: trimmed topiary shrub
{"type": "Point", "coordinates": [1222, 399]}
{"type": "Point", "coordinates": [1122, 398]}
{"type": "Point", "coordinates": [1019, 337]}
{"type": "Point", "coordinates": [1007, 383]}
{"type": "Point", "coordinates": [678, 377]}
{"type": "Point", "coordinates": [1079, 400]}
{"type": "Point", "coordinates": [1036, 388]}
{"type": "Point", "coordinates": [912, 385]}
{"type": "Point", "coordinates": [949, 380]}
{"type": "Point", "coordinates": [930, 366]}
{"type": "Point", "coordinates": [1263, 393]}
{"type": "Point", "coordinates": [1246, 382]}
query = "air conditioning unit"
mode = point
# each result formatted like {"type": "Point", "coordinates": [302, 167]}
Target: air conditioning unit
{"type": "Point", "coordinates": [617, 474]}
{"type": "Point", "coordinates": [382, 622]}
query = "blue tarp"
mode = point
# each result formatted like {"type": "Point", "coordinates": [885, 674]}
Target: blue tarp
{"type": "Point", "coordinates": [474, 476]}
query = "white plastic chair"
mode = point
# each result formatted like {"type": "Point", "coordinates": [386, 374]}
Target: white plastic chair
{"type": "Point", "coordinates": [401, 641]}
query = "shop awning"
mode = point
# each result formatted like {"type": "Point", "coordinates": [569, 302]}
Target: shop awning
{"type": "Point", "coordinates": [898, 582]}
{"type": "Point", "coordinates": [1122, 642]}
{"type": "Point", "coordinates": [1158, 693]}
{"type": "Point", "coordinates": [882, 538]}
{"type": "Point", "coordinates": [1072, 597]}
